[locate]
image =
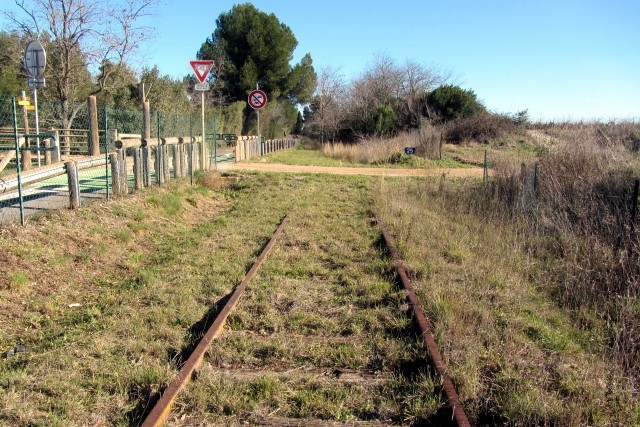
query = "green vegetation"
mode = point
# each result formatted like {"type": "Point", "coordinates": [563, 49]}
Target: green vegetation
{"type": "Point", "coordinates": [376, 153]}
{"type": "Point", "coordinates": [530, 279]}
{"type": "Point", "coordinates": [515, 355]}
{"type": "Point", "coordinates": [450, 102]}
{"type": "Point", "coordinates": [319, 311]}
{"type": "Point", "coordinates": [102, 343]}
{"type": "Point", "coordinates": [322, 332]}
{"type": "Point", "coordinates": [304, 154]}
{"type": "Point", "coordinates": [252, 47]}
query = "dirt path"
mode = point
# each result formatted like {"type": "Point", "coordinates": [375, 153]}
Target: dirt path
{"type": "Point", "coordinates": [273, 167]}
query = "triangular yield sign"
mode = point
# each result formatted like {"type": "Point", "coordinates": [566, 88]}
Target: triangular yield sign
{"type": "Point", "coordinates": [201, 68]}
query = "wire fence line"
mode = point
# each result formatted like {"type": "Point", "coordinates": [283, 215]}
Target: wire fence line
{"type": "Point", "coordinates": [108, 151]}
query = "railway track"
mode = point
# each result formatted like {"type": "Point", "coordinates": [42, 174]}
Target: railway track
{"type": "Point", "coordinates": [308, 345]}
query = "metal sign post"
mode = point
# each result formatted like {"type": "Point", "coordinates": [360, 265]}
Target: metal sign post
{"type": "Point", "coordinates": [257, 100]}
{"type": "Point", "coordinates": [201, 69]}
{"type": "Point", "coordinates": [35, 61]}
{"type": "Point", "coordinates": [35, 104]}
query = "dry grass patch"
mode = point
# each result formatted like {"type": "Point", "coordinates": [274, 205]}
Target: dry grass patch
{"type": "Point", "coordinates": [515, 356]}
{"type": "Point", "coordinates": [390, 152]}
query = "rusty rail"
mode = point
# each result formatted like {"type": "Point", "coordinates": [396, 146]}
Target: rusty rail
{"type": "Point", "coordinates": [450, 392]}
{"type": "Point", "coordinates": [160, 412]}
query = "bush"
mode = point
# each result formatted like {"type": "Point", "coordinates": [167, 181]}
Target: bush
{"type": "Point", "coordinates": [402, 159]}
{"type": "Point", "coordinates": [480, 127]}
{"type": "Point", "coordinates": [450, 102]}
{"type": "Point", "coordinates": [575, 219]}
{"type": "Point", "coordinates": [632, 141]}
{"type": "Point", "coordinates": [384, 121]}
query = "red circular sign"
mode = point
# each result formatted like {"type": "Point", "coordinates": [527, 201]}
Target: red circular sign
{"type": "Point", "coordinates": [257, 99]}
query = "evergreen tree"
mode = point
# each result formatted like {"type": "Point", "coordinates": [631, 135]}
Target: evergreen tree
{"type": "Point", "coordinates": [450, 102]}
{"type": "Point", "coordinates": [255, 48]}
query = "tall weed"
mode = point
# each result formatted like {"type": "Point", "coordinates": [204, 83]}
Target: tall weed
{"type": "Point", "coordinates": [427, 142]}
{"type": "Point", "coordinates": [574, 214]}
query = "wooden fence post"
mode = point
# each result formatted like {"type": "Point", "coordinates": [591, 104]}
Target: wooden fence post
{"type": "Point", "coordinates": [146, 167]}
{"type": "Point", "coordinates": [159, 163]}
{"type": "Point", "coordinates": [206, 155]}
{"type": "Point", "coordinates": [116, 185]}
{"type": "Point", "coordinates": [165, 164]}
{"type": "Point", "coordinates": [74, 185]}
{"type": "Point", "coordinates": [55, 154]}
{"type": "Point", "coordinates": [201, 154]}
{"type": "Point", "coordinates": [48, 143]}
{"type": "Point", "coordinates": [146, 120]}
{"type": "Point", "coordinates": [175, 160]}
{"type": "Point", "coordinates": [188, 156]}
{"type": "Point", "coordinates": [122, 160]}
{"type": "Point", "coordinates": [195, 153]}
{"type": "Point", "coordinates": [113, 135]}
{"type": "Point", "coordinates": [138, 181]}
{"type": "Point", "coordinates": [94, 141]}
{"type": "Point", "coordinates": [182, 163]}
{"type": "Point", "coordinates": [186, 167]}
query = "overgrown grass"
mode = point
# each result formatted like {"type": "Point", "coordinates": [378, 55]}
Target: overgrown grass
{"type": "Point", "coordinates": [385, 152]}
{"type": "Point", "coordinates": [305, 154]}
{"type": "Point", "coordinates": [379, 153]}
{"type": "Point", "coordinates": [98, 319]}
{"type": "Point", "coordinates": [575, 213]}
{"type": "Point", "coordinates": [323, 301]}
{"type": "Point", "coordinates": [106, 299]}
{"type": "Point", "coordinates": [516, 357]}
{"type": "Point", "coordinates": [148, 271]}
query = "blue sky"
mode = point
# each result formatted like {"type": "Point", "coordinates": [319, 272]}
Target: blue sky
{"type": "Point", "coordinates": [560, 59]}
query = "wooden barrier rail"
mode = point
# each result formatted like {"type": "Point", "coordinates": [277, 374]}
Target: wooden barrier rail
{"type": "Point", "coordinates": [248, 147]}
{"type": "Point", "coordinates": [169, 157]}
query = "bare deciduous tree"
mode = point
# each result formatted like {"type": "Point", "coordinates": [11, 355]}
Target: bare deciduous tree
{"type": "Point", "coordinates": [88, 41]}
{"type": "Point", "coordinates": [417, 81]}
{"type": "Point", "coordinates": [330, 94]}
{"type": "Point", "coordinates": [404, 88]}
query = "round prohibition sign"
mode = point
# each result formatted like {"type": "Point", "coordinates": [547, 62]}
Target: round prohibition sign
{"type": "Point", "coordinates": [257, 99]}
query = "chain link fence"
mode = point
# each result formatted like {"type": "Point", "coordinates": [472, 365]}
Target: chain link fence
{"type": "Point", "coordinates": [103, 152]}
{"type": "Point", "coordinates": [30, 183]}
{"type": "Point", "coordinates": [36, 170]}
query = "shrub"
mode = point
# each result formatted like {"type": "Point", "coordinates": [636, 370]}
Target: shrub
{"type": "Point", "coordinates": [450, 102]}
{"type": "Point", "coordinates": [632, 140]}
{"type": "Point", "coordinates": [576, 224]}
{"type": "Point", "coordinates": [480, 127]}
{"type": "Point", "coordinates": [384, 121]}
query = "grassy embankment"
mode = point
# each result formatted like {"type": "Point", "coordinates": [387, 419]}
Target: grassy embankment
{"type": "Point", "coordinates": [517, 355]}
{"type": "Point", "coordinates": [102, 303]}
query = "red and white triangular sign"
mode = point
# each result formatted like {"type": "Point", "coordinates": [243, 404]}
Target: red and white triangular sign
{"type": "Point", "coordinates": [201, 68]}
